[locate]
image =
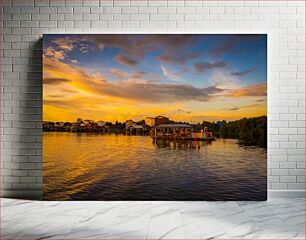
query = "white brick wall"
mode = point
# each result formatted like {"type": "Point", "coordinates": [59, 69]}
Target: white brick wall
{"type": "Point", "coordinates": [24, 22]}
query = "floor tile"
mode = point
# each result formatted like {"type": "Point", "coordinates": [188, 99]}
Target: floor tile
{"type": "Point", "coordinates": [273, 219]}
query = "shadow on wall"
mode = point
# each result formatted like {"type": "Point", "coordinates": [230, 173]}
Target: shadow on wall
{"type": "Point", "coordinates": [29, 128]}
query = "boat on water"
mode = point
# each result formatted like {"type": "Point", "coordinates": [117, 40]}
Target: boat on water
{"type": "Point", "coordinates": [178, 131]}
{"type": "Point", "coordinates": [202, 136]}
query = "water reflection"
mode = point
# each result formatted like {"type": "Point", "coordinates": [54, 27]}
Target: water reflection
{"type": "Point", "coordinates": [182, 144]}
{"type": "Point", "coordinates": [117, 167]}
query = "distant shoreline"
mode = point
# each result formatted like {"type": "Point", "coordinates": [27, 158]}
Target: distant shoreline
{"type": "Point", "coordinates": [251, 131]}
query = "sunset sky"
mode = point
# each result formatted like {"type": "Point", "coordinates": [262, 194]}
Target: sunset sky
{"type": "Point", "coordinates": [184, 77]}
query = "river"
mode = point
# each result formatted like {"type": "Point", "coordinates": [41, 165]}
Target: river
{"type": "Point", "coordinates": [118, 167]}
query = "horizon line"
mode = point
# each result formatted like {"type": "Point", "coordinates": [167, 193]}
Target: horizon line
{"type": "Point", "coordinates": [84, 119]}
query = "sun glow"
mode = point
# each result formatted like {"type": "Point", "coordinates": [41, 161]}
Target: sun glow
{"type": "Point", "coordinates": [128, 86]}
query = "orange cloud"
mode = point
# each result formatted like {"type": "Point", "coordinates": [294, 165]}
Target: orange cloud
{"type": "Point", "coordinates": [139, 90]}
{"type": "Point", "coordinates": [119, 73]}
{"type": "Point", "coordinates": [142, 90]}
{"type": "Point", "coordinates": [55, 54]}
{"type": "Point", "coordinates": [137, 76]}
{"type": "Point", "coordinates": [255, 90]}
{"type": "Point", "coordinates": [55, 80]}
{"type": "Point", "coordinates": [65, 43]}
{"type": "Point", "coordinates": [72, 92]}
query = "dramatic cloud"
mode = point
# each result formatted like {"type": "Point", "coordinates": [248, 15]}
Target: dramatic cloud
{"type": "Point", "coordinates": [65, 43]}
{"type": "Point", "coordinates": [119, 73]}
{"type": "Point", "coordinates": [55, 80]}
{"type": "Point", "coordinates": [138, 76]}
{"type": "Point", "coordinates": [234, 108]}
{"type": "Point", "coordinates": [175, 49]}
{"type": "Point", "coordinates": [139, 46]}
{"type": "Point", "coordinates": [256, 90]}
{"type": "Point", "coordinates": [132, 90]}
{"type": "Point", "coordinates": [58, 103]}
{"type": "Point", "coordinates": [179, 57]}
{"type": "Point", "coordinates": [62, 46]}
{"type": "Point", "coordinates": [83, 77]}
{"type": "Point", "coordinates": [84, 48]}
{"type": "Point", "coordinates": [220, 50]}
{"type": "Point", "coordinates": [146, 91]}
{"type": "Point", "coordinates": [150, 92]}
{"type": "Point", "coordinates": [69, 90]}
{"type": "Point", "coordinates": [173, 75]}
{"type": "Point", "coordinates": [56, 54]}
{"type": "Point", "coordinates": [231, 43]}
{"type": "Point", "coordinates": [181, 111]}
{"type": "Point", "coordinates": [124, 60]}
{"type": "Point", "coordinates": [127, 44]}
{"type": "Point", "coordinates": [204, 66]}
{"type": "Point", "coordinates": [243, 73]}
{"type": "Point", "coordinates": [224, 80]}
{"type": "Point", "coordinates": [244, 107]}
{"type": "Point", "coordinates": [165, 71]}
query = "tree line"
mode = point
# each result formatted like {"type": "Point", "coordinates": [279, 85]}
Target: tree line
{"type": "Point", "coordinates": [251, 131]}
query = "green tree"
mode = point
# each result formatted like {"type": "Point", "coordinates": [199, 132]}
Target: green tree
{"type": "Point", "coordinates": [252, 131]}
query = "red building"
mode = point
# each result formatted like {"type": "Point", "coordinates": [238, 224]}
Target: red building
{"type": "Point", "coordinates": [161, 120]}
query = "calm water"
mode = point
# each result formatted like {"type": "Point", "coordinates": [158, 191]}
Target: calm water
{"type": "Point", "coordinates": [117, 167]}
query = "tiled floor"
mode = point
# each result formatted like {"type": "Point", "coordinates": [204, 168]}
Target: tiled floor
{"type": "Point", "coordinates": [273, 219]}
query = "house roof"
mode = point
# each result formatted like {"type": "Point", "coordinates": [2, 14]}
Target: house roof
{"type": "Point", "coordinates": [174, 125]}
{"type": "Point", "coordinates": [136, 126]}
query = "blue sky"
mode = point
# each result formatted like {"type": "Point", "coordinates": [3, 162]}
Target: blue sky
{"type": "Point", "coordinates": [224, 67]}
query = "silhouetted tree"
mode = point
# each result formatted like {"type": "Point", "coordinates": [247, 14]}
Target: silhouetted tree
{"type": "Point", "coordinates": [79, 120]}
{"type": "Point", "coordinates": [252, 131]}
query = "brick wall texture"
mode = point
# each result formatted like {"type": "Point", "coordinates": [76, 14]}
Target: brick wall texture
{"type": "Point", "coordinates": [25, 21]}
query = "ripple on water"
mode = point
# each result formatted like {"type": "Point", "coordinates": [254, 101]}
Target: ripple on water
{"type": "Point", "coordinates": [118, 167]}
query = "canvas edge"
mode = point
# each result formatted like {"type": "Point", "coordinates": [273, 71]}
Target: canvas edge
{"type": "Point", "coordinates": [23, 194]}
{"type": "Point", "coordinates": [38, 194]}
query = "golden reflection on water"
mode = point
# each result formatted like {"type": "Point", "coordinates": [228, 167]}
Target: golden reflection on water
{"type": "Point", "coordinates": [118, 167]}
{"type": "Point", "coordinates": [182, 144]}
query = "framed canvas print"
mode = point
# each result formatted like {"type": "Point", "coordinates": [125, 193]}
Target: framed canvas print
{"type": "Point", "coordinates": [155, 116]}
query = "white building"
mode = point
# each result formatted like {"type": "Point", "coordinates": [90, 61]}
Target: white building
{"type": "Point", "coordinates": [101, 123]}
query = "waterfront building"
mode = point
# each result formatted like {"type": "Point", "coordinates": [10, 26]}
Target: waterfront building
{"type": "Point", "coordinates": [154, 121]}
{"type": "Point", "coordinates": [150, 121]}
{"type": "Point", "coordinates": [136, 129]}
{"type": "Point", "coordinates": [161, 120]}
{"type": "Point", "coordinates": [129, 123]}
{"type": "Point", "coordinates": [101, 123]}
{"type": "Point", "coordinates": [172, 131]}
{"type": "Point", "coordinates": [88, 122]}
